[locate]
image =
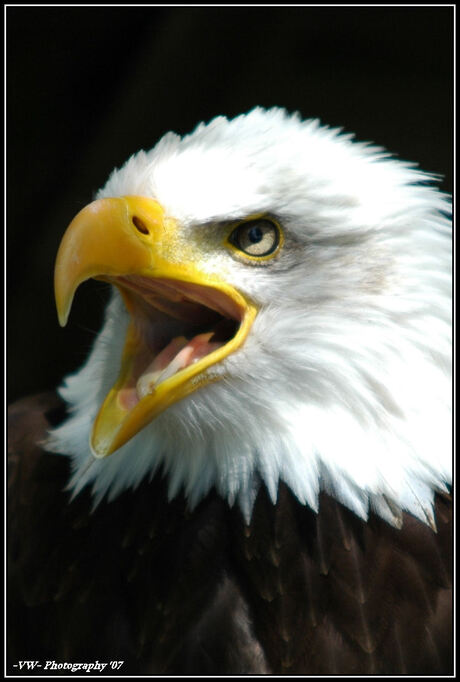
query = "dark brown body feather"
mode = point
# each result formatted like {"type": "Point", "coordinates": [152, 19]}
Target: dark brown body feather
{"type": "Point", "coordinates": [169, 591]}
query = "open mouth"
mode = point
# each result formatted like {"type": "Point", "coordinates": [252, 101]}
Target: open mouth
{"type": "Point", "coordinates": [175, 325]}
{"type": "Point", "coordinates": [179, 332]}
{"type": "Point", "coordinates": [184, 321]}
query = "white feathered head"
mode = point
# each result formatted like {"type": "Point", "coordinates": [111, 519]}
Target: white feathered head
{"type": "Point", "coordinates": [281, 312]}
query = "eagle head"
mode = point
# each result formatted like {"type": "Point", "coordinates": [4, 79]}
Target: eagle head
{"type": "Point", "coordinates": [280, 312]}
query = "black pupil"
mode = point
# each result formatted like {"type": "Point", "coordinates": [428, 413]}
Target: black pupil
{"type": "Point", "coordinates": [255, 234]}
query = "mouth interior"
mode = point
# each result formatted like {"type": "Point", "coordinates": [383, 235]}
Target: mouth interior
{"type": "Point", "coordinates": [174, 325]}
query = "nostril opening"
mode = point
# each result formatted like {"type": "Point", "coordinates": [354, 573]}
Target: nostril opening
{"type": "Point", "coordinates": [140, 225]}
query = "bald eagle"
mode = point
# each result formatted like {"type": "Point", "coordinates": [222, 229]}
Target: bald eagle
{"type": "Point", "coordinates": [251, 472]}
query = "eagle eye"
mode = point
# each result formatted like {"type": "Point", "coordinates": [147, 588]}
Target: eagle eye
{"type": "Point", "coordinates": [258, 237]}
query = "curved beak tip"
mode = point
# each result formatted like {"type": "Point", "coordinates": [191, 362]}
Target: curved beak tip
{"type": "Point", "coordinates": [63, 306]}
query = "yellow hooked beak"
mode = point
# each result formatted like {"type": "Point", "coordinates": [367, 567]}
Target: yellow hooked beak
{"type": "Point", "coordinates": [183, 320]}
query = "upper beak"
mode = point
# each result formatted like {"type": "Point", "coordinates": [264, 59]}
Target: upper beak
{"type": "Point", "coordinates": [110, 237]}
{"type": "Point", "coordinates": [131, 236]}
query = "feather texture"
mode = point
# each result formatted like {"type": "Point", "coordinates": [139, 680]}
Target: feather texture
{"type": "Point", "coordinates": [293, 591]}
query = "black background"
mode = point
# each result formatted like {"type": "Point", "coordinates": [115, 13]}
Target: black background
{"type": "Point", "coordinates": [89, 86]}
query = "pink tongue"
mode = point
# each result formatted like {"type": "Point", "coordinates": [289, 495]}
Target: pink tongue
{"type": "Point", "coordinates": [163, 359]}
{"type": "Point", "coordinates": [189, 351]}
{"type": "Point", "coordinates": [179, 353]}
